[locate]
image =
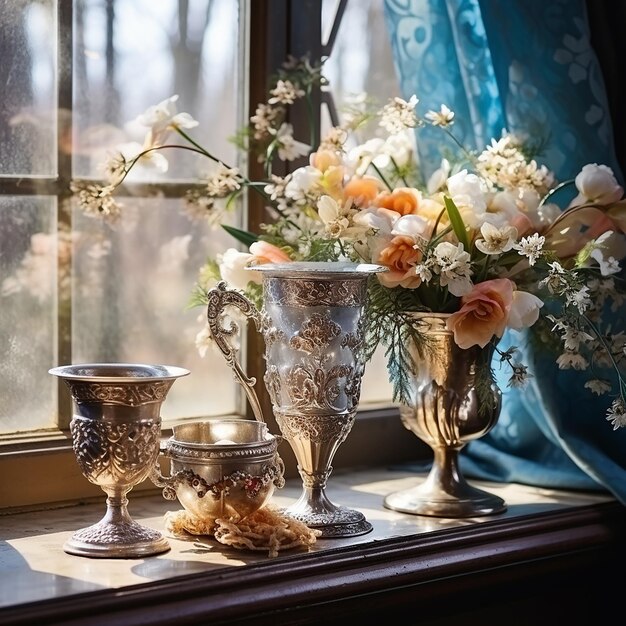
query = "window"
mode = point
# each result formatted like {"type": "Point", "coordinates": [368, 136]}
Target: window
{"type": "Point", "coordinates": [77, 289]}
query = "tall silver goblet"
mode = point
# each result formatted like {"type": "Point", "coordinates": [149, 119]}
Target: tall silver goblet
{"type": "Point", "coordinates": [313, 326]}
{"type": "Point", "coordinates": [116, 429]}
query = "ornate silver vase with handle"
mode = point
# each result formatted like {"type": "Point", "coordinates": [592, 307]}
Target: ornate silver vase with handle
{"type": "Point", "coordinates": [313, 326]}
{"type": "Point", "coordinates": [116, 430]}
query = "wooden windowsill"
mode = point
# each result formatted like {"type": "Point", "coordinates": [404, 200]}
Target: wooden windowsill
{"type": "Point", "coordinates": [547, 542]}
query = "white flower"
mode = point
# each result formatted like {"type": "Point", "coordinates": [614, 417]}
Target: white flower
{"type": "Point", "coordinates": [530, 247]}
{"type": "Point", "coordinates": [572, 360]}
{"type": "Point", "coordinates": [163, 117]}
{"type": "Point", "coordinates": [96, 200]}
{"type": "Point", "coordinates": [519, 377]}
{"type": "Point", "coordinates": [224, 181]}
{"type": "Point", "coordinates": [334, 139]}
{"type": "Point", "coordinates": [598, 386]}
{"type": "Point", "coordinates": [285, 92]}
{"type": "Point", "coordinates": [232, 269]}
{"type": "Point", "coordinates": [470, 194]}
{"type": "Point", "coordinates": [127, 155]}
{"type": "Point", "coordinates": [573, 337]}
{"type": "Point", "coordinates": [496, 240]}
{"type": "Point", "coordinates": [555, 280]}
{"type": "Point", "coordinates": [579, 298]}
{"type": "Point", "coordinates": [398, 115]}
{"type": "Point", "coordinates": [444, 117]}
{"type": "Point", "coordinates": [438, 178]}
{"type": "Point", "coordinates": [115, 167]}
{"type": "Point", "coordinates": [452, 263]}
{"type": "Point", "coordinates": [617, 414]}
{"type": "Point", "coordinates": [303, 183]}
{"type": "Point", "coordinates": [597, 184]}
{"type": "Point", "coordinates": [204, 338]}
{"type": "Point", "coordinates": [263, 120]}
{"type": "Point", "coordinates": [524, 310]}
{"type": "Point", "coordinates": [288, 148]}
{"type": "Point", "coordinates": [412, 226]}
{"type": "Point", "coordinates": [329, 211]}
{"type": "Point", "coordinates": [422, 270]}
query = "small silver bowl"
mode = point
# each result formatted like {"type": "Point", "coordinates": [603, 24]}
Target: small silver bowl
{"type": "Point", "coordinates": [222, 468]}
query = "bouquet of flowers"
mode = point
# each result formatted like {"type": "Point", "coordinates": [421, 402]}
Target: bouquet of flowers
{"type": "Point", "coordinates": [482, 238]}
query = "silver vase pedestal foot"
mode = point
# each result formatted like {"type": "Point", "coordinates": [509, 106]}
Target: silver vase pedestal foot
{"type": "Point", "coordinates": [313, 326]}
{"type": "Point", "coordinates": [314, 442]}
{"type": "Point", "coordinates": [116, 535]}
{"type": "Point", "coordinates": [116, 433]}
{"type": "Point", "coordinates": [314, 509]}
{"type": "Point", "coordinates": [445, 493]}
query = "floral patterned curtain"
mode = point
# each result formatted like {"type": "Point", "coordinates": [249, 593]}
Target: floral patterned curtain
{"type": "Point", "coordinates": [526, 66]}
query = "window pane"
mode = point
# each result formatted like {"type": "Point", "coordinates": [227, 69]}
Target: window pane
{"type": "Point", "coordinates": [361, 60]}
{"type": "Point", "coordinates": [136, 54]}
{"type": "Point", "coordinates": [28, 312]}
{"type": "Point", "coordinates": [28, 75]}
{"type": "Point", "coordinates": [133, 280]}
{"type": "Point", "coordinates": [131, 286]}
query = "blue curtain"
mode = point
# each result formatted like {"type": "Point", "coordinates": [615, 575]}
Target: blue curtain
{"type": "Point", "coordinates": [526, 66]}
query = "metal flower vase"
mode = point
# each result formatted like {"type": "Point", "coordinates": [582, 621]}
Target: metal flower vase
{"type": "Point", "coordinates": [454, 399]}
{"type": "Point", "coordinates": [116, 430]}
{"type": "Point", "coordinates": [313, 326]}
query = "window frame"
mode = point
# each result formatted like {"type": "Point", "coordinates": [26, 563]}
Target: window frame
{"type": "Point", "coordinates": [271, 31]}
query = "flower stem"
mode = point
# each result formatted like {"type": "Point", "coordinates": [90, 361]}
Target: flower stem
{"type": "Point", "coordinates": [596, 332]}
{"type": "Point", "coordinates": [398, 172]}
{"type": "Point", "coordinates": [382, 177]}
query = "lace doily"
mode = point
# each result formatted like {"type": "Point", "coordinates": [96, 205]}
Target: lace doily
{"type": "Point", "coordinates": [266, 529]}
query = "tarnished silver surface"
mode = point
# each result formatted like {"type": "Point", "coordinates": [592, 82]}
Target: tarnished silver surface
{"type": "Point", "coordinates": [116, 429]}
{"type": "Point", "coordinates": [447, 411]}
{"type": "Point", "coordinates": [221, 468]}
{"type": "Point", "coordinates": [313, 328]}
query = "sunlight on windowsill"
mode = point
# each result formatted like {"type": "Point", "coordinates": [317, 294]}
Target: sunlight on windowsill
{"type": "Point", "coordinates": [33, 565]}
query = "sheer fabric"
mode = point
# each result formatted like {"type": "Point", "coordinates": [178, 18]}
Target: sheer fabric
{"type": "Point", "coordinates": [526, 66]}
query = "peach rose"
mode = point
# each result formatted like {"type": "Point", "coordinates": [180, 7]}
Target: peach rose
{"type": "Point", "coordinates": [323, 159]}
{"type": "Point", "coordinates": [483, 314]}
{"type": "Point", "coordinates": [264, 252]}
{"type": "Point", "coordinates": [403, 200]}
{"type": "Point", "coordinates": [362, 190]}
{"type": "Point", "coordinates": [400, 257]}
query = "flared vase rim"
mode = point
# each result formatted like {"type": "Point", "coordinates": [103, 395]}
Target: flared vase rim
{"type": "Point", "coordinates": [118, 372]}
{"type": "Point", "coordinates": [436, 314]}
{"type": "Point", "coordinates": [317, 268]}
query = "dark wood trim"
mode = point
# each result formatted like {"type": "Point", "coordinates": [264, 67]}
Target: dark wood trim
{"type": "Point", "coordinates": [532, 569]}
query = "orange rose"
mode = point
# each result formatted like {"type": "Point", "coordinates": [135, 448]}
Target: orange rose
{"type": "Point", "coordinates": [484, 313]}
{"type": "Point", "coordinates": [362, 190]}
{"type": "Point", "coordinates": [403, 200]}
{"type": "Point", "coordinates": [400, 257]}
{"type": "Point", "coordinates": [264, 252]}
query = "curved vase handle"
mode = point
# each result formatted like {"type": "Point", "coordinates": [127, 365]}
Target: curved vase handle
{"type": "Point", "coordinates": [218, 299]}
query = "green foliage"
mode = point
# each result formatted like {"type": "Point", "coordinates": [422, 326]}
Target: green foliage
{"type": "Point", "coordinates": [197, 297]}
{"type": "Point", "coordinates": [390, 324]}
{"type": "Point", "coordinates": [243, 236]}
{"type": "Point", "coordinates": [457, 222]}
{"type": "Point", "coordinates": [484, 380]}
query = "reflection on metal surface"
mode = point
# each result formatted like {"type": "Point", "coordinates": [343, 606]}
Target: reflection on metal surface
{"type": "Point", "coordinates": [116, 429]}
{"type": "Point", "coordinates": [221, 468]}
{"type": "Point", "coordinates": [446, 412]}
{"type": "Point", "coordinates": [313, 327]}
